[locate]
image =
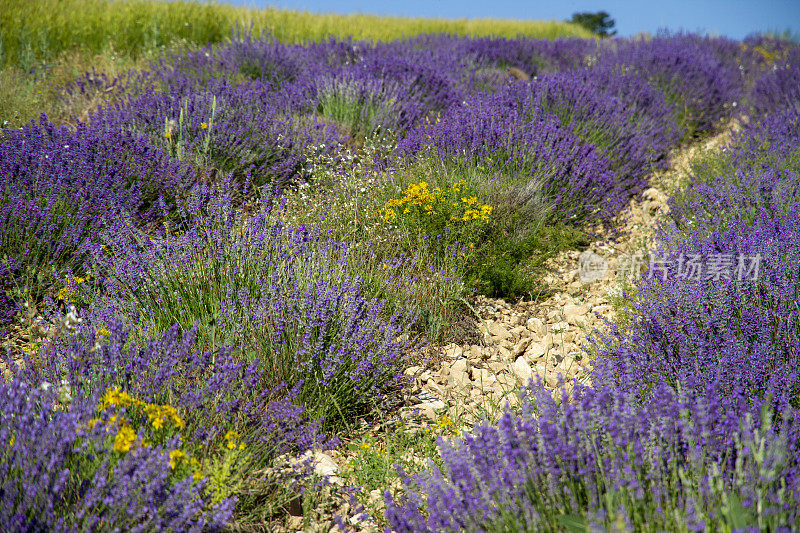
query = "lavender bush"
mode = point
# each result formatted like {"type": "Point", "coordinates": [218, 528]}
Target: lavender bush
{"type": "Point", "coordinates": [701, 85]}
{"type": "Point", "coordinates": [233, 129]}
{"type": "Point", "coordinates": [608, 460]}
{"type": "Point", "coordinates": [499, 132]}
{"type": "Point", "coordinates": [181, 420]}
{"type": "Point", "coordinates": [282, 295]}
{"type": "Point", "coordinates": [778, 87]}
{"type": "Point", "coordinates": [59, 187]}
{"type": "Point", "coordinates": [735, 329]}
{"type": "Point", "coordinates": [593, 103]}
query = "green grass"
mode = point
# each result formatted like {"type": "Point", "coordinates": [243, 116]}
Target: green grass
{"type": "Point", "coordinates": [45, 29]}
{"type": "Point", "coordinates": [45, 45]}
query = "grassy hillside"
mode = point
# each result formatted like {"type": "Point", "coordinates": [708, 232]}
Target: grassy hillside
{"type": "Point", "coordinates": [47, 28]}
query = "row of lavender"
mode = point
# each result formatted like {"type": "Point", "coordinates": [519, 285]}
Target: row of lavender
{"type": "Point", "coordinates": [692, 423]}
{"type": "Point", "coordinates": [587, 136]}
{"type": "Point", "coordinates": [142, 204]}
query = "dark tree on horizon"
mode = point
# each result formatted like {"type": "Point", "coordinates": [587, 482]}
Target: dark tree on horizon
{"type": "Point", "coordinates": [598, 23]}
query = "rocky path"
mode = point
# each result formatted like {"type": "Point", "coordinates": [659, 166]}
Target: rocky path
{"type": "Point", "coordinates": [549, 337]}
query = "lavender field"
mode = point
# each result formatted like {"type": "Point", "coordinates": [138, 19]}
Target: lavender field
{"type": "Point", "coordinates": [227, 265]}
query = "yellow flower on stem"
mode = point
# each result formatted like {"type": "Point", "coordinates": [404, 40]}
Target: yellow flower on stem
{"type": "Point", "coordinates": [176, 456]}
{"type": "Point", "coordinates": [65, 294]}
{"type": "Point", "coordinates": [115, 397]}
{"type": "Point", "coordinates": [232, 437]}
{"type": "Point", "coordinates": [124, 439]}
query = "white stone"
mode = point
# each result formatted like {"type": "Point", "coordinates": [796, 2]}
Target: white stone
{"type": "Point", "coordinates": [497, 366]}
{"type": "Point", "coordinates": [547, 341]}
{"type": "Point", "coordinates": [547, 375]}
{"type": "Point", "coordinates": [522, 370]}
{"type": "Point", "coordinates": [504, 354]}
{"type": "Point", "coordinates": [483, 377]}
{"type": "Point", "coordinates": [536, 326]}
{"type": "Point", "coordinates": [459, 373]}
{"type": "Point", "coordinates": [518, 332]}
{"type": "Point", "coordinates": [459, 365]}
{"type": "Point", "coordinates": [535, 351]}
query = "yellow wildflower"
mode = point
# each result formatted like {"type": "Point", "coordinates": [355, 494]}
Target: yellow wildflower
{"type": "Point", "coordinates": [168, 135]}
{"type": "Point", "coordinates": [124, 439]}
{"type": "Point", "coordinates": [175, 456]}
{"type": "Point", "coordinates": [203, 125]}
{"type": "Point", "coordinates": [232, 437]}
{"type": "Point", "coordinates": [486, 210]}
{"type": "Point", "coordinates": [65, 293]}
{"type": "Point", "coordinates": [445, 422]}
{"type": "Point", "coordinates": [103, 332]}
{"type": "Point", "coordinates": [116, 397]}
{"type": "Point", "coordinates": [170, 412]}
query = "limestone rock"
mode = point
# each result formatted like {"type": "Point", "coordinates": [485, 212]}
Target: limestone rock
{"type": "Point", "coordinates": [522, 370]}
{"type": "Point", "coordinates": [453, 351]}
{"type": "Point", "coordinates": [521, 346]}
{"type": "Point", "coordinates": [498, 332]}
{"type": "Point", "coordinates": [575, 314]}
{"type": "Point", "coordinates": [536, 326]}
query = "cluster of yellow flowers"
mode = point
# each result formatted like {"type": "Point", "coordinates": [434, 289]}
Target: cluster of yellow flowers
{"type": "Point", "coordinates": [444, 426]}
{"type": "Point", "coordinates": [417, 195]}
{"type": "Point", "coordinates": [770, 56]}
{"type": "Point", "coordinates": [68, 293]}
{"type": "Point", "coordinates": [231, 440]}
{"type": "Point", "coordinates": [421, 198]}
{"type": "Point", "coordinates": [175, 457]}
{"type": "Point", "coordinates": [157, 415]}
{"type": "Point", "coordinates": [125, 436]}
{"type": "Point", "coordinates": [474, 210]}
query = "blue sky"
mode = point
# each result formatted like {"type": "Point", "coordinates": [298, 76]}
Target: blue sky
{"type": "Point", "coordinates": [733, 18]}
